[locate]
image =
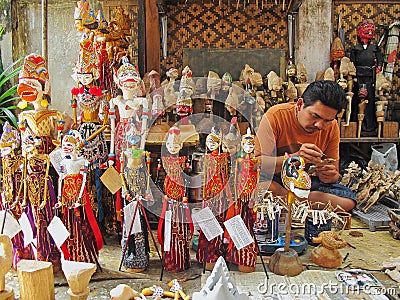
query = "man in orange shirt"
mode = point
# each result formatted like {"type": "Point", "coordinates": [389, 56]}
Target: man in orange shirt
{"type": "Point", "coordinates": [307, 128]}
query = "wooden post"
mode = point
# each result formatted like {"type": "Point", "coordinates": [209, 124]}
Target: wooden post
{"type": "Point", "coordinates": [44, 30]}
{"type": "Point", "coordinates": [36, 280]}
{"type": "Point", "coordinates": [153, 44]}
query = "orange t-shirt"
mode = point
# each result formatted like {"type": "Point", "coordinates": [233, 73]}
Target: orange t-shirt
{"type": "Point", "coordinates": [280, 132]}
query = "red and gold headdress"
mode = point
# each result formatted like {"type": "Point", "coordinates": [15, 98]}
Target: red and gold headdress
{"type": "Point", "coordinates": [34, 67]}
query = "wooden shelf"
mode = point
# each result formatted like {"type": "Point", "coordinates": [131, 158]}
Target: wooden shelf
{"type": "Point", "coordinates": [369, 140]}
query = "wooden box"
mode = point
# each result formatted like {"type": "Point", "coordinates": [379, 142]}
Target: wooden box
{"type": "Point", "coordinates": [348, 131]}
{"type": "Point", "coordinates": [390, 129]}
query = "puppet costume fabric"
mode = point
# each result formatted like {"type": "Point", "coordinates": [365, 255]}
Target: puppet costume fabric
{"type": "Point", "coordinates": [85, 238]}
{"type": "Point", "coordinates": [177, 259]}
{"type": "Point", "coordinates": [46, 250]}
{"type": "Point", "coordinates": [136, 256]}
{"type": "Point", "coordinates": [246, 186]}
{"type": "Point", "coordinates": [215, 188]}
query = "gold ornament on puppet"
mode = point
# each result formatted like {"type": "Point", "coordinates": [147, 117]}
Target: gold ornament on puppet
{"type": "Point", "coordinates": [33, 81]}
{"type": "Point", "coordinates": [10, 140]}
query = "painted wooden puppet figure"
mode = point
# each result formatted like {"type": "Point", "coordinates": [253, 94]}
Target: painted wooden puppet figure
{"type": "Point", "coordinates": [89, 98]}
{"type": "Point", "coordinates": [135, 169]}
{"type": "Point", "coordinates": [85, 240]}
{"type": "Point", "coordinates": [34, 88]}
{"type": "Point", "coordinates": [216, 193]}
{"type": "Point", "coordinates": [246, 179]}
{"type": "Point", "coordinates": [367, 59]}
{"type": "Point", "coordinates": [128, 108]}
{"type": "Point", "coordinates": [11, 159]}
{"type": "Point", "coordinates": [175, 209]}
{"type": "Point", "coordinates": [38, 197]}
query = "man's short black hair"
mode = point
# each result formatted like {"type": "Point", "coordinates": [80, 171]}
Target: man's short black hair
{"type": "Point", "coordinates": [328, 92]}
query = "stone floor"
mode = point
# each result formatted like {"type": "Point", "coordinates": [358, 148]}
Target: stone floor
{"type": "Point", "coordinates": [366, 252]}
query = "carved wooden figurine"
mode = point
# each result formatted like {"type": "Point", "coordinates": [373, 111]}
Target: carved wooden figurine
{"type": "Point", "coordinates": [89, 98]}
{"type": "Point", "coordinates": [215, 195]}
{"type": "Point", "coordinates": [85, 240]}
{"type": "Point", "coordinates": [175, 211]}
{"type": "Point", "coordinates": [327, 254]}
{"type": "Point", "coordinates": [245, 185]}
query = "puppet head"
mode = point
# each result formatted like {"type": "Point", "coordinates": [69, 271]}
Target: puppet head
{"type": "Point", "coordinates": [174, 143]}
{"type": "Point", "coordinates": [248, 142]}
{"type": "Point", "coordinates": [294, 177]}
{"type": "Point", "coordinates": [213, 140]}
{"type": "Point", "coordinates": [366, 31]}
{"type": "Point", "coordinates": [33, 80]}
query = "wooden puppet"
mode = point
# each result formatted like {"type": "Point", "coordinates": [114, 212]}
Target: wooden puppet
{"type": "Point", "coordinates": [128, 107]}
{"type": "Point", "coordinates": [38, 197]}
{"type": "Point", "coordinates": [135, 176]}
{"type": "Point", "coordinates": [368, 61]}
{"type": "Point", "coordinates": [85, 240]}
{"type": "Point", "coordinates": [34, 88]}
{"type": "Point", "coordinates": [11, 158]}
{"type": "Point", "coordinates": [246, 179]}
{"type": "Point", "coordinates": [88, 97]}
{"type": "Point", "coordinates": [175, 210]}
{"type": "Point", "coordinates": [215, 194]}
{"type": "Point", "coordinates": [184, 106]}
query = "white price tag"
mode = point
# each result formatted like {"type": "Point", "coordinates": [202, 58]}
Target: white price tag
{"type": "Point", "coordinates": [26, 229]}
{"type": "Point", "coordinates": [238, 231]}
{"type": "Point", "coordinates": [58, 231]}
{"type": "Point", "coordinates": [129, 211]}
{"type": "Point", "coordinates": [208, 223]}
{"type": "Point", "coordinates": [10, 225]}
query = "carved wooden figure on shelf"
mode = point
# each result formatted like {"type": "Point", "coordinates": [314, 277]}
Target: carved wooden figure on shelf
{"type": "Point", "coordinates": [368, 61]}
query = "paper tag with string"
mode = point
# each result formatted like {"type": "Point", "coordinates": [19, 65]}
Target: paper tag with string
{"type": "Point", "coordinates": [26, 229]}
{"type": "Point", "coordinates": [167, 230]}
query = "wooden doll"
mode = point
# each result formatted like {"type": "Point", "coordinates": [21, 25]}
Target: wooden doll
{"type": "Point", "coordinates": [215, 194]}
{"type": "Point", "coordinates": [34, 88]}
{"type": "Point", "coordinates": [88, 98]}
{"type": "Point", "coordinates": [175, 210]}
{"type": "Point", "coordinates": [38, 197]}
{"type": "Point", "coordinates": [128, 107]}
{"type": "Point", "coordinates": [246, 179]}
{"type": "Point", "coordinates": [11, 158]}
{"type": "Point", "coordinates": [134, 172]}
{"type": "Point", "coordinates": [85, 240]}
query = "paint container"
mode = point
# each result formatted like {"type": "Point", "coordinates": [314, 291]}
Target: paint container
{"type": "Point", "coordinates": [266, 230]}
{"type": "Point", "coordinates": [312, 230]}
